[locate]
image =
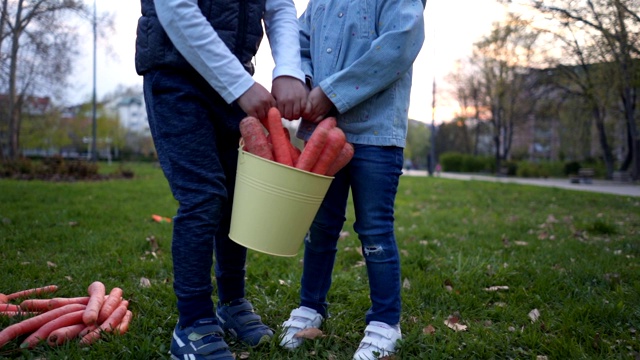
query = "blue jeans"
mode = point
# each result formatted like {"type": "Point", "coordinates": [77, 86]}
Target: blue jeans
{"type": "Point", "coordinates": [196, 135]}
{"type": "Point", "coordinates": [372, 175]}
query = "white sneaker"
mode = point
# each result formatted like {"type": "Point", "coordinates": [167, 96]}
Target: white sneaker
{"type": "Point", "coordinates": [379, 340]}
{"type": "Point", "coordinates": [300, 319]}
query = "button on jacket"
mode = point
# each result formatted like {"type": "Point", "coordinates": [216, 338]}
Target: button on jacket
{"type": "Point", "coordinates": [361, 52]}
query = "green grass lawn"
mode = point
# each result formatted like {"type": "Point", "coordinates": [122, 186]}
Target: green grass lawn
{"type": "Point", "coordinates": [573, 257]}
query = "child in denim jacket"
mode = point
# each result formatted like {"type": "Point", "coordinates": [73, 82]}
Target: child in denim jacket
{"type": "Point", "coordinates": [196, 57]}
{"type": "Point", "coordinates": [357, 57]}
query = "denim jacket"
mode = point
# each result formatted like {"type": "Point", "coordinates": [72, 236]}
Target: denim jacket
{"type": "Point", "coordinates": [361, 53]}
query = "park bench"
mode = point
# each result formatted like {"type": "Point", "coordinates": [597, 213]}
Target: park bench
{"type": "Point", "coordinates": [586, 175]}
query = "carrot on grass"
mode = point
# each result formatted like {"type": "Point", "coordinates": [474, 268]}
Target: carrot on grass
{"type": "Point", "coordinates": [346, 154]}
{"type": "Point", "coordinates": [60, 301]}
{"type": "Point", "coordinates": [31, 324]}
{"type": "Point", "coordinates": [60, 336]}
{"type": "Point", "coordinates": [10, 307]}
{"type": "Point", "coordinates": [123, 327]}
{"type": "Point", "coordinates": [18, 313]}
{"type": "Point", "coordinates": [87, 329]}
{"type": "Point", "coordinates": [42, 333]}
{"type": "Point", "coordinates": [108, 325]}
{"type": "Point", "coordinates": [110, 304]}
{"type": "Point", "coordinates": [34, 291]}
{"type": "Point", "coordinates": [335, 142]}
{"type": "Point", "coordinates": [35, 305]}
{"type": "Point", "coordinates": [254, 138]}
{"type": "Point", "coordinates": [96, 292]}
{"type": "Point", "coordinates": [279, 141]}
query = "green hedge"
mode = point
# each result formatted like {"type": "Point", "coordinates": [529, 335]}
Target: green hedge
{"type": "Point", "coordinates": [465, 163]}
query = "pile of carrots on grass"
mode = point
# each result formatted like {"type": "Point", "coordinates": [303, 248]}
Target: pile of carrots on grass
{"type": "Point", "coordinates": [60, 319]}
{"type": "Point", "coordinates": [326, 152]}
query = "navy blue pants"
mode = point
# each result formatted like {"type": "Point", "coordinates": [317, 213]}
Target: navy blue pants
{"type": "Point", "coordinates": [196, 135]}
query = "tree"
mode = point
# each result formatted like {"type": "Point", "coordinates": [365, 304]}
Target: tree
{"type": "Point", "coordinates": [616, 24]}
{"type": "Point", "coordinates": [37, 47]}
{"type": "Point", "coordinates": [468, 91]}
{"type": "Point", "coordinates": [504, 58]}
{"type": "Point", "coordinates": [417, 147]}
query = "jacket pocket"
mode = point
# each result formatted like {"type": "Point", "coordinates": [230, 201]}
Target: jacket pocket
{"type": "Point", "coordinates": [366, 18]}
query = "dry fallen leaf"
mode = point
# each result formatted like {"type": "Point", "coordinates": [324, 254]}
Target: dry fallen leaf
{"type": "Point", "coordinates": [453, 323]}
{"type": "Point", "coordinates": [496, 288]}
{"type": "Point", "coordinates": [282, 282]}
{"type": "Point", "coordinates": [153, 242]}
{"type": "Point", "coordinates": [406, 284]}
{"type": "Point", "coordinates": [534, 315]}
{"type": "Point", "coordinates": [309, 333]}
{"type": "Point", "coordinates": [144, 282]}
{"type": "Point", "coordinates": [429, 330]}
{"type": "Point", "coordinates": [51, 264]}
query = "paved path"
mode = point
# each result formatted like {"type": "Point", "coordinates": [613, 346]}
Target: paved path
{"type": "Point", "coordinates": [602, 186]}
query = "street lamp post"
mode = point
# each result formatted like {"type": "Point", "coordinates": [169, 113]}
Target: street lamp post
{"type": "Point", "coordinates": [432, 153]}
{"type": "Point", "coordinates": [94, 153]}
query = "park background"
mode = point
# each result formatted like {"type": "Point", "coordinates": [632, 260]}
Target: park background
{"type": "Point", "coordinates": [527, 88]}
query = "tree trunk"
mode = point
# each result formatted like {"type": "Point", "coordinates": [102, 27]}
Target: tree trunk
{"type": "Point", "coordinates": [13, 110]}
{"type": "Point", "coordinates": [607, 155]}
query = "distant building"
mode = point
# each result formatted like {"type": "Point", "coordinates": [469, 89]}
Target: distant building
{"type": "Point", "coordinates": [131, 112]}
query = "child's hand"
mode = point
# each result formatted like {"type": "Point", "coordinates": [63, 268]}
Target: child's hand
{"type": "Point", "coordinates": [256, 101]}
{"type": "Point", "coordinates": [291, 96]}
{"type": "Point", "coordinates": [318, 106]}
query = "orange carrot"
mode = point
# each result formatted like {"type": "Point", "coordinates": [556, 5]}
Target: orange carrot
{"type": "Point", "coordinates": [108, 325]}
{"type": "Point", "coordinates": [35, 304]}
{"type": "Point", "coordinates": [295, 153]}
{"type": "Point", "coordinates": [42, 333]}
{"type": "Point", "coordinates": [254, 137]}
{"type": "Point", "coordinates": [346, 154]}
{"type": "Point", "coordinates": [110, 304]}
{"type": "Point", "coordinates": [87, 329]}
{"type": "Point", "coordinates": [123, 327]}
{"type": "Point", "coordinates": [31, 324]}
{"type": "Point", "coordinates": [281, 152]}
{"type": "Point", "coordinates": [10, 307]}
{"type": "Point", "coordinates": [96, 292]}
{"type": "Point", "coordinates": [328, 123]}
{"type": "Point", "coordinates": [34, 291]}
{"type": "Point", "coordinates": [335, 142]}
{"type": "Point", "coordinates": [312, 149]}
{"type": "Point", "coordinates": [17, 313]}
{"type": "Point", "coordinates": [59, 301]}
{"type": "Point", "coordinates": [63, 334]}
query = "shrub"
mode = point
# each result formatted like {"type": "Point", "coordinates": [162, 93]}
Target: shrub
{"type": "Point", "coordinates": [56, 168]}
{"type": "Point", "coordinates": [451, 161]}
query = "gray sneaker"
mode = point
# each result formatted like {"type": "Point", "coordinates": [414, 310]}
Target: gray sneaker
{"type": "Point", "coordinates": [202, 341]}
{"type": "Point", "coordinates": [300, 319]}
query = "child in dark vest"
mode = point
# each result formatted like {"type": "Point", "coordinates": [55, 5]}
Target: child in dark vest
{"type": "Point", "coordinates": [195, 57]}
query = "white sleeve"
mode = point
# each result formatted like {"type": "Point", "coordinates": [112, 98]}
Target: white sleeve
{"type": "Point", "coordinates": [281, 26]}
{"type": "Point", "coordinates": [201, 46]}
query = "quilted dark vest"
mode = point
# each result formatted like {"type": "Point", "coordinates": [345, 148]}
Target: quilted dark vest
{"type": "Point", "coordinates": [237, 22]}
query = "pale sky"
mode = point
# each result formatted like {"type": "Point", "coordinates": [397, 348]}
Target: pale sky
{"type": "Point", "coordinates": [451, 28]}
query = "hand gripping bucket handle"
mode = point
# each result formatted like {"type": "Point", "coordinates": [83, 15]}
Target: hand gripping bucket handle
{"type": "Point", "coordinates": [274, 205]}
